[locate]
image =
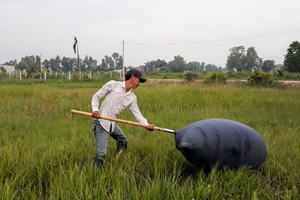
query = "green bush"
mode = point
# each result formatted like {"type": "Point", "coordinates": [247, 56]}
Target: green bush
{"type": "Point", "coordinates": [261, 78]}
{"type": "Point", "coordinates": [285, 75]}
{"type": "Point", "coordinates": [280, 73]}
{"type": "Point", "coordinates": [217, 77]}
{"type": "Point", "coordinates": [190, 76]}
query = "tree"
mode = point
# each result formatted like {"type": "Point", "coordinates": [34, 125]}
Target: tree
{"type": "Point", "coordinates": [118, 59]}
{"type": "Point", "coordinates": [31, 64]}
{"type": "Point", "coordinates": [251, 61]}
{"type": "Point", "coordinates": [211, 68]}
{"type": "Point", "coordinates": [68, 64]}
{"type": "Point", "coordinates": [46, 64]}
{"type": "Point", "coordinates": [93, 63]}
{"type": "Point", "coordinates": [239, 61]}
{"type": "Point", "coordinates": [54, 64]}
{"type": "Point", "coordinates": [155, 65]}
{"type": "Point", "coordinates": [103, 65]}
{"type": "Point", "coordinates": [110, 63]}
{"type": "Point", "coordinates": [235, 59]}
{"type": "Point", "coordinates": [202, 67]}
{"type": "Point", "coordinates": [27, 62]}
{"type": "Point", "coordinates": [178, 64]}
{"type": "Point", "coordinates": [164, 69]}
{"type": "Point", "coordinates": [193, 66]}
{"type": "Point", "coordinates": [89, 64]}
{"type": "Point", "coordinates": [150, 66]}
{"type": "Point", "coordinates": [268, 65]}
{"type": "Point", "coordinates": [174, 67]}
{"type": "Point", "coordinates": [12, 62]}
{"type": "Point", "coordinates": [292, 58]}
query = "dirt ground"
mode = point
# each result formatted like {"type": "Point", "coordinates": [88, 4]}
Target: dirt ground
{"type": "Point", "coordinates": [288, 83]}
{"type": "Point", "coordinates": [292, 83]}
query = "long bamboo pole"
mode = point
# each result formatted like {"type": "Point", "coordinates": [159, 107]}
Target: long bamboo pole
{"type": "Point", "coordinates": [123, 121]}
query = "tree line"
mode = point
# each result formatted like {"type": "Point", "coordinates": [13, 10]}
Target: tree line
{"type": "Point", "coordinates": [239, 59]}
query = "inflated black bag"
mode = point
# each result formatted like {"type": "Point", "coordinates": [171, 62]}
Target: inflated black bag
{"type": "Point", "coordinates": [221, 142]}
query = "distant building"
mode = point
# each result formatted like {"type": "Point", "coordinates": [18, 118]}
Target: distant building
{"type": "Point", "coordinates": [9, 68]}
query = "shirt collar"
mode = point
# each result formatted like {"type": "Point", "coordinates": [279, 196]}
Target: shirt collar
{"type": "Point", "coordinates": [123, 85]}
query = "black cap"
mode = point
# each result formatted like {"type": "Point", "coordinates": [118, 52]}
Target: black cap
{"type": "Point", "coordinates": [136, 73]}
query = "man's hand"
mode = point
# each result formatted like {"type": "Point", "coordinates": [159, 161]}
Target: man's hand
{"type": "Point", "coordinates": [150, 127]}
{"type": "Point", "coordinates": [96, 114]}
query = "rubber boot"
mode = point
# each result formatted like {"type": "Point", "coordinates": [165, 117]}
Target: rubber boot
{"type": "Point", "coordinates": [121, 145]}
{"type": "Point", "coordinates": [98, 162]}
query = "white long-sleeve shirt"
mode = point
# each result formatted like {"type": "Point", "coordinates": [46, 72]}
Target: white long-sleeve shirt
{"type": "Point", "coordinates": [116, 100]}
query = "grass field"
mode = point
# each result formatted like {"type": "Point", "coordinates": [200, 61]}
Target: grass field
{"type": "Point", "coordinates": [47, 153]}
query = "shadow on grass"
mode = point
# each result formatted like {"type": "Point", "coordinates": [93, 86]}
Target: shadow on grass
{"type": "Point", "coordinates": [191, 171]}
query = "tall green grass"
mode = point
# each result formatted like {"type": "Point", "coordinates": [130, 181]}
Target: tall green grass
{"type": "Point", "coordinates": [47, 153]}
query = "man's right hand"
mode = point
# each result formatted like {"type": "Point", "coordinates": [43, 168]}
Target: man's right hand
{"type": "Point", "coordinates": [96, 114]}
{"type": "Point", "coordinates": [150, 127]}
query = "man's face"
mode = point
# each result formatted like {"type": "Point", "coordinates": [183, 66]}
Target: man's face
{"type": "Point", "coordinates": [135, 82]}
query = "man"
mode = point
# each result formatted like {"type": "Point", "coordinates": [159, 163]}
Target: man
{"type": "Point", "coordinates": [118, 96]}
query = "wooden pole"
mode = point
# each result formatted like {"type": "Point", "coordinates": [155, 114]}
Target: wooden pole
{"type": "Point", "coordinates": [123, 121]}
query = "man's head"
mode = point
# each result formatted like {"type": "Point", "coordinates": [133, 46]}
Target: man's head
{"type": "Point", "coordinates": [136, 73]}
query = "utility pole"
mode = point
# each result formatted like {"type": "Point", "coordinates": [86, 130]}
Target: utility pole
{"type": "Point", "coordinates": [41, 66]}
{"type": "Point", "coordinates": [123, 60]}
{"type": "Point", "coordinates": [75, 47]}
{"type": "Point", "coordinates": [78, 62]}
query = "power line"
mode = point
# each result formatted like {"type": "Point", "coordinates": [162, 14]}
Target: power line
{"type": "Point", "coordinates": [217, 40]}
{"type": "Point", "coordinates": [94, 52]}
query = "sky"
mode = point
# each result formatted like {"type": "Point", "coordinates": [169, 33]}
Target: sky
{"type": "Point", "coordinates": [197, 30]}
